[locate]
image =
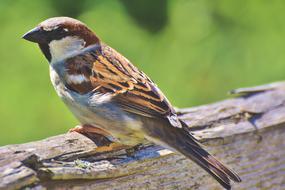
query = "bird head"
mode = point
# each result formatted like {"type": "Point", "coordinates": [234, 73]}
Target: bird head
{"type": "Point", "coordinates": [59, 37]}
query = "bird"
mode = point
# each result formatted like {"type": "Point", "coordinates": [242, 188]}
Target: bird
{"type": "Point", "coordinates": [112, 97]}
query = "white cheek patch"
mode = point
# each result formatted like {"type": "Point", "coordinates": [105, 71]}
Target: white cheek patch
{"type": "Point", "coordinates": [65, 47]}
{"type": "Point", "coordinates": [76, 79]}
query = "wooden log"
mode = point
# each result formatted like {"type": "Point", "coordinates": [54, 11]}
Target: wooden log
{"type": "Point", "coordinates": [245, 132]}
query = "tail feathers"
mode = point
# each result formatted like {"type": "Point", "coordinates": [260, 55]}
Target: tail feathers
{"type": "Point", "coordinates": [190, 147]}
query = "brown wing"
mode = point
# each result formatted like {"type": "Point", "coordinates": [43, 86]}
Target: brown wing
{"type": "Point", "coordinates": [107, 71]}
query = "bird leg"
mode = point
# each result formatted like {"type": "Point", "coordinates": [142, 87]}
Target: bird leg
{"type": "Point", "coordinates": [83, 129]}
{"type": "Point", "coordinates": [103, 139]}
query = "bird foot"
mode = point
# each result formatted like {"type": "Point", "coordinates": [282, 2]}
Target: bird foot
{"type": "Point", "coordinates": [103, 139]}
{"type": "Point", "coordinates": [99, 136]}
{"type": "Point", "coordinates": [89, 129]}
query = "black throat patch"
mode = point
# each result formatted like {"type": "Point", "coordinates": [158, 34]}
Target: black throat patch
{"type": "Point", "coordinates": [46, 51]}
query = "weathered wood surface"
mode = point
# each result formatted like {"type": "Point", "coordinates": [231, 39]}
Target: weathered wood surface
{"type": "Point", "coordinates": [247, 133]}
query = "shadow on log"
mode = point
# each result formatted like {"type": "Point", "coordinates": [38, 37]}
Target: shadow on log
{"type": "Point", "coordinates": [246, 132]}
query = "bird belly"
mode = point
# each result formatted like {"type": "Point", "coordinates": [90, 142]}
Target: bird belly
{"type": "Point", "coordinates": [122, 126]}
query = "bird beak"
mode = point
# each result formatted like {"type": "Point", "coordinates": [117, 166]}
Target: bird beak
{"type": "Point", "coordinates": [35, 35]}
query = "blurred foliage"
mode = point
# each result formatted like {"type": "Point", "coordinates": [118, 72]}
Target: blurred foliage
{"type": "Point", "coordinates": [196, 51]}
{"type": "Point", "coordinates": [71, 8]}
{"type": "Point", "coordinates": [149, 14]}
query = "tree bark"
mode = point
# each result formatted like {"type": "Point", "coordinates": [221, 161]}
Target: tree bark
{"type": "Point", "coordinates": [245, 132]}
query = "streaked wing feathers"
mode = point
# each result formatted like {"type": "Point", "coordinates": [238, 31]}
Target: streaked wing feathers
{"type": "Point", "coordinates": [109, 72]}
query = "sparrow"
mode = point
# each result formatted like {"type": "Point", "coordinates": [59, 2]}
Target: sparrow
{"type": "Point", "coordinates": [112, 97]}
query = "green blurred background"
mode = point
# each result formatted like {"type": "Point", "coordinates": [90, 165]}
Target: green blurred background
{"type": "Point", "coordinates": [194, 50]}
